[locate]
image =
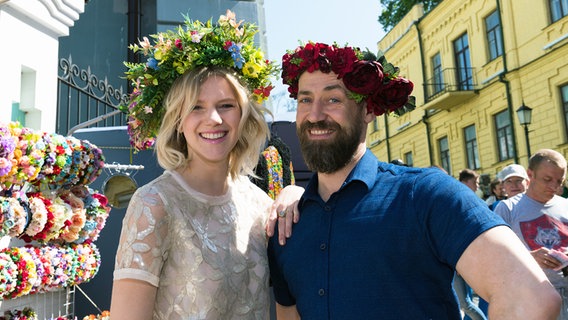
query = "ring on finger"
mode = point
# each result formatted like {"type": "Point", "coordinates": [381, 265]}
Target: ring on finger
{"type": "Point", "coordinates": [282, 214]}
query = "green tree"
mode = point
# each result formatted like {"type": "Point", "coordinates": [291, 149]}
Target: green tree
{"type": "Point", "coordinates": [395, 10]}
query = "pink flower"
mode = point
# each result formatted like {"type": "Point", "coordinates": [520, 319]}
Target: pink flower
{"type": "Point", "coordinates": [179, 44]}
{"type": "Point", "coordinates": [195, 37]}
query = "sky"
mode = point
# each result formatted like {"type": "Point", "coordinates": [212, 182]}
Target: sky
{"type": "Point", "coordinates": [344, 21]}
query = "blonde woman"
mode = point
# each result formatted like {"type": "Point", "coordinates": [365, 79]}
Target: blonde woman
{"type": "Point", "coordinates": [193, 243]}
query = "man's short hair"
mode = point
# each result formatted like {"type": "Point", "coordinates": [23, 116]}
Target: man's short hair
{"type": "Point", "coordinates": [467, 174]}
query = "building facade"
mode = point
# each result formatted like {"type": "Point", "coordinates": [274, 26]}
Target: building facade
{"type": "Point", "coordinates": [474, 63]}
{"type": "Point", "coordinates": [30, 33]}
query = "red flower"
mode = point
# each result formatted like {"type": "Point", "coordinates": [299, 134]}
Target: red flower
{"type": "Point", "coordinates": [343, 60]}
{"type": "Point", "coordinates": [263, 91]}
{"type": "Point", "coordinates": [366, 77]}
{"type": "Point", "coordinates": [178, 44]}
{"type": "Point", "coordinates": [102, 199]}
{"type": "Point", "coordinates": [394, 95]}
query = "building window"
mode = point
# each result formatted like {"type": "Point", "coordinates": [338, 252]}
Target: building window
{"type": "Point", "coordinates": [494, 41]}
{"type": "Point", "coordinates": [471, 147]}
{"type": "Point", "coordinates": [504, 136]}
{"type": "Point", "coordinates": [17, 114]}
{"type": "Point", "coordinates": [444, 154]}
{"type": "Point", "coordinates": [438, 84]}
{"type": "Point", "coordinates": [558, 9]}
{"type": "Point", "coordinates": [408, 159]}
{"type": "Point", "coordinates": [463, 63]}
{"type": "Point", "coordinates": [564, 90]}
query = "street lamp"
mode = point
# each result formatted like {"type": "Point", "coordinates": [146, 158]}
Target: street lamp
{"type": "Point", "coordinates": [525, 116]}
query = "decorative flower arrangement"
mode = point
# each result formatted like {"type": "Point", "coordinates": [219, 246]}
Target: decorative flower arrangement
{"type": "Point", "coordinates": [77, 215]}
{"type": "Point", "coordinates": [44, 269]}
{"type": "Point", "coordinates": [8, 165]}
{"type": "Point", "coordinates": [40, 174]}
{"type": "Point", "coordinates": [13, 217]}
{"type": "Point", "coordinates": [275, 171]}
{"type": "Point", "coordinates": [88, 263]}
{"type": "Point", "coordinates": [228, 44]}
{"type": "Point", "coordinates": [96, 211]}
{"type": "Point", "coordinates": [92, 163]}
{"type": "Point", "coordinates": [26, 275]}
{"type": "Point", "coordinates": [374, 81]}
{"type": "Point", "coordinates": [71, 230]}
{"type": "Point", "coordinates": [8, 275]}
{"type": "Point", "coordinates": [28, 270]}
{"type": "Point", "coordinates": [41, 235]}
{"type": "Point", "coordinates": [38, 214]}
{"type": "Point", "coordinates": [62, 213]}
{"type": "Point", "coordinates": [45, 160]}
{"type": "Point", "coordinates": [31, 152]}
{"type": "Point", "coordinates": [25, 314]}
{"type": "Point", "coordinates": [105, 315]}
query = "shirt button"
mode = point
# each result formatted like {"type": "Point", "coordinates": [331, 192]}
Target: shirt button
{"type": "Point", "coordinates": [321, 292]}
{"type": "Point", "coordinates": [327, 208]}
{"type": "Point", "coordinates": [323, 246]}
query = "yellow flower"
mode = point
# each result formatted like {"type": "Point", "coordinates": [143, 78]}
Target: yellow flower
{"type": "Point", "coordinates": [252, 69]}
{"type": "Point", "coordinates": [158, 55]}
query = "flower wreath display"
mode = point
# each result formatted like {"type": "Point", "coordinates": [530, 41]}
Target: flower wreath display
{"type": "Point", "coordinates": [45, 200]}
{"type": "Point", "coordinates": [274, 170]}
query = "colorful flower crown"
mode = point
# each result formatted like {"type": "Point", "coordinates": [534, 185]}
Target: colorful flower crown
{"type": "Point", "coordinates": [28, 270]}
{"type": "Point", "coordinates": [47, 161]}
{"type": "Point", "coordinates": [228, 44]}
{"type": "Point", "coordinates": [368, 79]}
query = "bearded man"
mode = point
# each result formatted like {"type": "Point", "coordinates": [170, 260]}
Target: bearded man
{"type": "Point", "coordinates": [377, 240]}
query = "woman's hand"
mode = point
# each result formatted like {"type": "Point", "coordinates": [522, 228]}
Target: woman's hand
{"type": "Point", "coordinates": [285, 211]}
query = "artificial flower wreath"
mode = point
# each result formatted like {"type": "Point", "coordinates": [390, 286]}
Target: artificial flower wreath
{"type": "Point", "coordinates": [368, 79]}
{"type": "Point", "coordinates": [228, 44]}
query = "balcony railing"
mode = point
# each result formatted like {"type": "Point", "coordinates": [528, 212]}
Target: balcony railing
{"type": "Point", "coordinates": [449, 87]}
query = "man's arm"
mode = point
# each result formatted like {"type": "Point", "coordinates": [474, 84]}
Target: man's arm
{"type": "Point", "coordinates": [501, 270]}
{"type": "Point", "coordinates": [286, 313]}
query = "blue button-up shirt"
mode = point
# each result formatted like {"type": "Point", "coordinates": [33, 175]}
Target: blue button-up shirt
{"type": "Point", "coordinates": [384, 246]}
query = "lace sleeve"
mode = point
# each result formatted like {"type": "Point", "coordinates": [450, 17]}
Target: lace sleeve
{"type": "Point", "coordinates": [143, 241]}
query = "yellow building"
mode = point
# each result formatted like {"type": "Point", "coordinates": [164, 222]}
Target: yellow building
{"type": "Point", "coordinates": [474, 63]}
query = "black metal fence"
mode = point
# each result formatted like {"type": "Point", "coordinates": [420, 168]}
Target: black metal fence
{"type": "Point", "coordinates": [81, 97]}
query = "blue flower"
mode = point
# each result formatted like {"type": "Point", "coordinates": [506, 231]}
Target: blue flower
{"type": "Point", "coordinates": [238, 59]}
{"type": "Point", "coordinates": [152, 63]}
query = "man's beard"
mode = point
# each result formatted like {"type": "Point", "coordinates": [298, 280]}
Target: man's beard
{"type": "Point", "coordinates": [332, 155]}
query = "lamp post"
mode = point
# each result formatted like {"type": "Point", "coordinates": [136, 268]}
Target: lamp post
{"type": "Point", "coordinates": [525, 116]}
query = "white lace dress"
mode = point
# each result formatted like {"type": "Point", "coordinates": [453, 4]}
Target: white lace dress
{"type": "Point", "coordinates": [206, 255]}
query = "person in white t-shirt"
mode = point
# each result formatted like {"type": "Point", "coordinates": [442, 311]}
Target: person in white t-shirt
{"type": "Point", "coordinates": [540, 217]}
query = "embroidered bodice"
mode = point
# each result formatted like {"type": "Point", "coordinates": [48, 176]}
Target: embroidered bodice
{"type": "Point", "coordinates": [206, 254]}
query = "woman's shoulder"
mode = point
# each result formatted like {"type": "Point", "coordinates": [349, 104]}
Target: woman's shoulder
{"type": "Point", "coordinates": [243, 188]}
{"type": "Point", "coordinates": [163, 184]}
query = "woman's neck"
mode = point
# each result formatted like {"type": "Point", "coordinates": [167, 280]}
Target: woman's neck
{"type": "Point", "coordinates": [209, 181]}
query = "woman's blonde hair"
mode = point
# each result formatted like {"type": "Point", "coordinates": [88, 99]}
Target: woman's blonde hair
{"type": "Point", "coordinates": [171, 147]}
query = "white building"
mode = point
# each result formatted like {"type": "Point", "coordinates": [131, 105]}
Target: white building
{"type": "Point", "coordinates": [29, 33]}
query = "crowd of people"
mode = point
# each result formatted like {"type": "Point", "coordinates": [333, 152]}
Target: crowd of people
{"type": "Point", "coordinates": [364, 240]}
